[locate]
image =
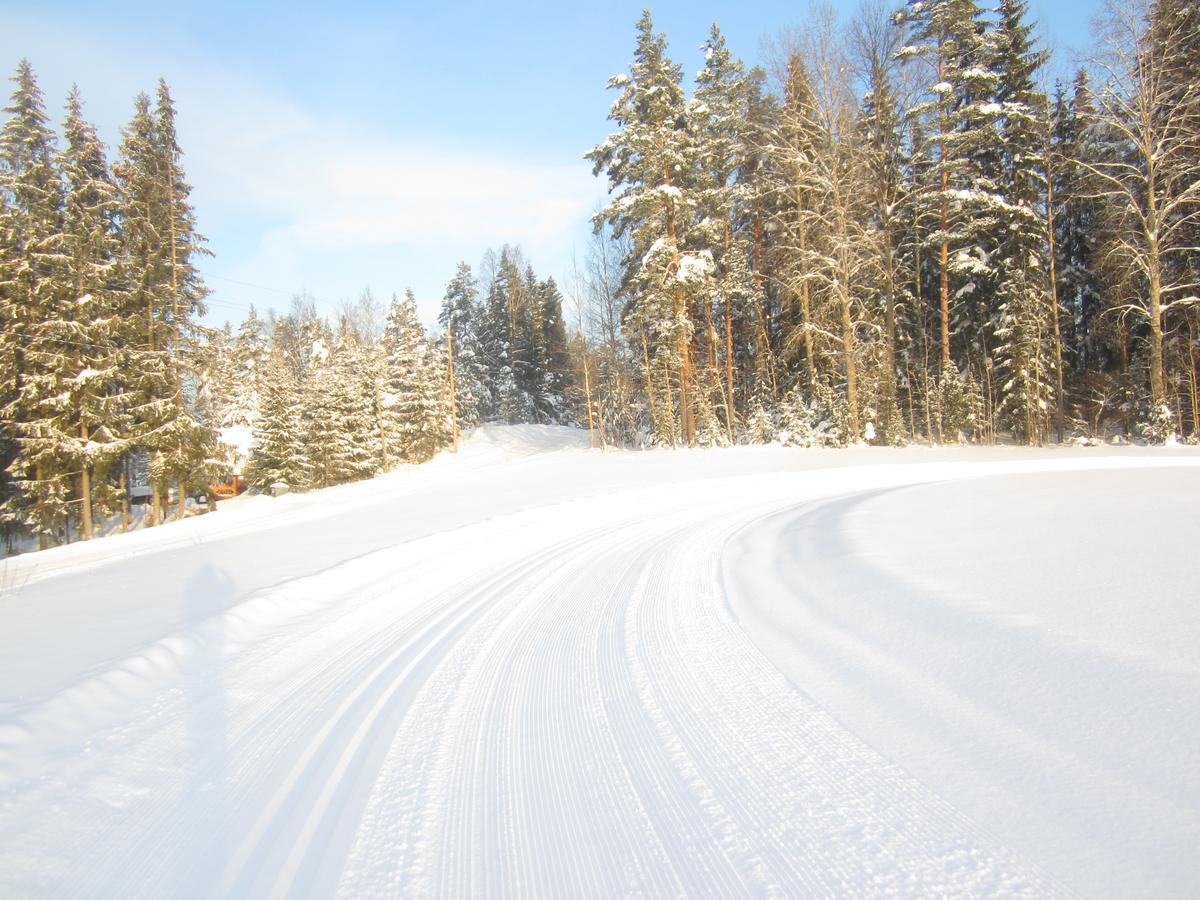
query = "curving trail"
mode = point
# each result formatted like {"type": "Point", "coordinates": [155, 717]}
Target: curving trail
{"type": "Point", "coordinates": [558, 702]}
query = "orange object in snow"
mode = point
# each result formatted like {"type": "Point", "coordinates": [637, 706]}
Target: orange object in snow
{"type": "Point", "coordinates": [223, 490]}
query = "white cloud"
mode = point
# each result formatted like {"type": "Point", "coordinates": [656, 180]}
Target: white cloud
{"type": "Point", "coordinates": [290, 199]}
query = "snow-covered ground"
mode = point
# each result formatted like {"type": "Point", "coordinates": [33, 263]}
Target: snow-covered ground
{"type": "Point", "coordinates": [532, 669]}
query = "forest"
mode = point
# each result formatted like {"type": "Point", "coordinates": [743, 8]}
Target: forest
{"type": "Point", "coordinates": [893, 229]}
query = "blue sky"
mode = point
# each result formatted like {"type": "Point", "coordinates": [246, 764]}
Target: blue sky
{"type": "Point", "coordinates": [341, 146]}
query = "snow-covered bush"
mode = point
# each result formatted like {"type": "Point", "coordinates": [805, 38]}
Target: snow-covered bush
{"type": "Point", "coordinates": [761, 427]}
{"type": "Point", "coordinates": [958, 400]}
{"type": "Point", "coordinates": [820, 421]}
{"type": "Point", "coordinates": [1158, 425]}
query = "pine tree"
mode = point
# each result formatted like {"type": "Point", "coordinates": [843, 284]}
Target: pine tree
{"type": "Point", "coordinates": [414, 384]}
{"type": "Point", "coordinates": [1030, 354]}
{"type": "Point", "coordinates": [792, 144]}
{"type": "Point", "coordinates": [236, 385]}
{"type": "Point", "coordinates": [139, 179]}
{"type": "Point", "coordinates": [720, 111]}
{"type": "Point", "coordinates": [648, 160]}
{"type": "Point", "coordinates": [246, 361]}
{"type": "Point", "coordinates": [960, 109]}
{"type": "Point", "coordinates": [278, 455]}
{"type": "Point", "coordinates": [885, 159]}
{"type": "Point", "coordinates": [750, 290]}
{"type": "Point", "coordinates": [34, 308]}
{"type": "Point", "coordinates": [461, 316]}
{"type": "Point", "coordinates": [1079, 229]}
{"type": "Point", "coordinates": [559, 376]}
{"type": "Point", "coordinates": [95, 326]}
{"type": "Point", "coordinates": [9, 523]}
{"type": "Point", "coordinates": [187, 447]}
{"type": "Point", "coordinates": [833, 249]}
{"type": "Point", "coordinates": [497, 327]}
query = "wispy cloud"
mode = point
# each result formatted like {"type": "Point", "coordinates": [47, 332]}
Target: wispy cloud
{"type": "Point", "coordinates": [293, 197]}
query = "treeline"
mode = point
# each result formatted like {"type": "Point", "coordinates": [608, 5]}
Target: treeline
{"type": "Point", "coordinates": [99, 296]}
{"type": "Point", "coordinates": [512, 361]}
{"type": "Point", "coordinates": [300, 401]}
{"type": "Point", "coordinates": [111, 389]}
{"type": "Point", "coordinates": [892, 232]}
{"type": "Point", "coordinates": [895, 232]}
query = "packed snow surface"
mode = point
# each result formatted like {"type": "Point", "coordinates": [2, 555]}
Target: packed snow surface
{"type": "Point", "coordinates": [533, 669]}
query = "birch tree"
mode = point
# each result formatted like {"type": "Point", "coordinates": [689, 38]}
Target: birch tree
{"type": "Point", "coordinates": [1153, 187]}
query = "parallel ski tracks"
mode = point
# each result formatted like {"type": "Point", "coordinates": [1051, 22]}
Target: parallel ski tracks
{"type": "Point", "coordinates": [584, 718]}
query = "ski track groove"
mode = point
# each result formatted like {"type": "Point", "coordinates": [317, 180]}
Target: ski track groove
{"type": "Point", "coordinates": [585, 718]}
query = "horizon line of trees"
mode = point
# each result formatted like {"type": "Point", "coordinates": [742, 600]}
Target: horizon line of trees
{"type": "Point", "coordinates": [111, 388]}
{"type": "Point", "coordinates": [895, 231]}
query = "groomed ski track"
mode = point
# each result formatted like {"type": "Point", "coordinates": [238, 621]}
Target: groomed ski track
{"type": "Point", "coordinates": [562, 701]}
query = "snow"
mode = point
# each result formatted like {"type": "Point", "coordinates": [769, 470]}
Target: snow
{"type": "Point", "coordinates": [240, 442]}
{"type": "Point", "coordinates": [531, 668]}
{"type": "Point", "coordinates": [694, 268]}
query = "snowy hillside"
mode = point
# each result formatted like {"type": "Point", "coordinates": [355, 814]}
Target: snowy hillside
{"type": "Point", "coordinates": [533, 669]}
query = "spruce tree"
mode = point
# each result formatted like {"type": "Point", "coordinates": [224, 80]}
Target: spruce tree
{"type": "Point", "coordinates": [462, 317]}
{"type": "Point", "coordinates": [414, 383]}
{"type": "Point", "coordinates": [1079, 229]}
{"type": "Point", "coordinates": [1027, 323]}
{"type": "Point", "coordinates": [884, 159]}
{"type": "Point", "coordinates": [140, 182]}
{"type": "Point", "coordinates": [278, 454]}
{"type": "Point", "coordinates": [559, 376]}
{"type": "Point", "coordinates": [95, 326]}
{"type": "Point", "coordinates": [188, 447]}
{"type": "Point", "coordinates": [495, 331]}
{"type": "Point", "coordinates": [959, 111]}
{"type": "Point", "coordinates": [35, 300]}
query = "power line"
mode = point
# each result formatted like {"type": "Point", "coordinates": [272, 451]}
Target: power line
{"type": "Point", "coordinates": [261, 287]}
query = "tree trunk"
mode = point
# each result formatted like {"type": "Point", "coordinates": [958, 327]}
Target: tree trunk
{"type": "Point", "coordinates": [810, 366]}
{"type": "Point", "coordinates": [649, 378]}
{"type": "Point", "coordinates": [889, 313]}
{"type": "Point", "coordinates": [729, 414]}
{"type": "Point", "coordinates": [587, 393]}
{"type": "Point", "coordinates": [766, 353]}
{"type": "Point", "coordinates": [1156, 333]}
{"type": "Point", "coordinates": [944, 299]}
{"type": "Point", "coordinates": [173, 238]}
{"type": "Point", "coordinates": [126, 511]}
{"type": "Point", "coordinates": [155, 503]}
{"type": "Point", "coordinates": [670, 402]}
{"type": "Point", "coordinates": [1193, 390]}
{"type": "Point", "coordinates": [85, 493]}
{"type": "Point", "coordinates": [851, 371]}
{"type": "Point", "coordinates": [453, 388]}
{"type": "Point", "coordinates": [1054, 317]}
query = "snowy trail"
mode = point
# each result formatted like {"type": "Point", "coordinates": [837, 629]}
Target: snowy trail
{"type": "Point", "coordinates": [564, 701]}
